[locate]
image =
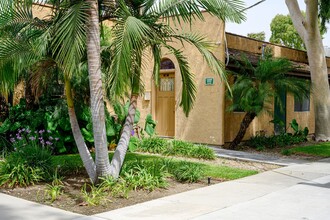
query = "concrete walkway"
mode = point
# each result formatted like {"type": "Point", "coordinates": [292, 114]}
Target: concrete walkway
{"type": "Point", "coordinates": [255, 157]}
{"type": "Point", "coordinates": [300, 191]}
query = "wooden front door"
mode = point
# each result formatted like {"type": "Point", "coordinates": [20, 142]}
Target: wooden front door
{"type": "Point", "coordinates": [165, 105]}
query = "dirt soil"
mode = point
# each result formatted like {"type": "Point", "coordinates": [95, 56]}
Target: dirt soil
{"type": "Point", "coordinates": [72, 200]}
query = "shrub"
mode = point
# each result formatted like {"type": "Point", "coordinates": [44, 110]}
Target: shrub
{"type": "Point", "coordinates": [26, 165]}
{"type": "Point", "coordinates": [261, 141]}
{"type": "Point", "coordinates": [153, 145]}
{"type": "Point", "coordinates": [176, 148]}
{"type": "Point", "coordinates": [54, 190]}
{"type": "Point", "coordinates": [202, 152]}
{"type": "Point", "coordinates": [19, 174]}
{"type": "Point", "coordinates": [94, 195]}
{"type": "Point", "coordinates": [147, 175]}
{"type": "Point", "coordinates": [134, 144]}
{"type": "Point", "coordinates": [187, 172]}
{"type": "Point", "coordinates": [118, 188]}
{"type": "Point", "coordinates": [179, 148]}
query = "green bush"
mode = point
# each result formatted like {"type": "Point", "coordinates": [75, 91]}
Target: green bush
{"type": "Point", "coordinates": [147, 175]}
{"type": "Point", "coordinates": [19, 174]}
{"type": "Point", "coordinates": [26, 165]}
{"type": "Point", "coordinates": [203, 152]}
{"type": "Point", "coordinates": [153, 145]}
{"type": "Point", "coordinates": [282, 140]}
{"type": "Point", "coordinates": [134, 144]}
{"type": "Point", "coordinates": [179, 148]}
{"type": "Point", "coordinates": [176, 148]}
{"type": "Point", "coordinates": [187, 172]}
{"type": "Point", "coordinates": [94, 195]}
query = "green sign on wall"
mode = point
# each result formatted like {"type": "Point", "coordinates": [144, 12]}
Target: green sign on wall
{"type": "Point", "coordinates": [209, 81]}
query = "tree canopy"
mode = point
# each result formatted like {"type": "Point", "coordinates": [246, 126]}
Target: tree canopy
{"type": "Point", "coordinates": [284, 33]}
{"type": "Point", "coordinates": [258, 36]}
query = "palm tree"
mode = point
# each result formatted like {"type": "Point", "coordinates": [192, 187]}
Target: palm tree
{"type": "Point", "coordinates": [27, 43]}
{"type": "Point", "coordinates": [256, 87]}
{"type": "Point", "coordinates": [137, 27]}
{"type": "Point", "coordinates": [96, 90]}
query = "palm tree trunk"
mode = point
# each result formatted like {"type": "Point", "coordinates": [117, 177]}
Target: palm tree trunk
{"type": "Point", "coordinates": [79, 139]}
{"type": "Point", "coordinates": [29, 96]}
{"type": "Point", "coordinates": [96, 91]}
{"type": "Point", "coordinates": [248, 118]}
{"type": "Point", "coordinates": [121, 149]}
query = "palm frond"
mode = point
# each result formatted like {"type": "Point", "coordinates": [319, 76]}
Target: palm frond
{"type": "Point", "coordinates": [204, 47]}
{"type": "Point", "coordinates": [177, 10]}
{"type": "Point", "coordinates": [226, 10]}
{"type": "Point", "coordinates": [188, 10]}
{"type": "Point", "coordinates": [188, 94]}
{"type": "Point", "coordinates": [70, 39]}
{"type": "Point", "coordinates": [129, 36]}
{"type": "Point", "coordinates": [156, 51]}
{"type": "Point", "coordinates": [256, 87]}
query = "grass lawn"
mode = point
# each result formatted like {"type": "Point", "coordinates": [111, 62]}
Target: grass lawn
{"type": "Point", "coordinates": [319, 149]}
{"type": "Point", "coordinates": [74, 163]}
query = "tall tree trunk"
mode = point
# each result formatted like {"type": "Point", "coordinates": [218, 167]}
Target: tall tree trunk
{"type": "Point", "coordinates": [320, 88]}
{"type": "Point", "coordinates": [121, 149]}
{"type": "Point", "coordinates": [79, 139]}
{"type": "Point", "coordinates": [248, 118]}
{"type": "Point", "coordinates": [308, 29]}
{"type": "Point", "coordinates": [96, 91]}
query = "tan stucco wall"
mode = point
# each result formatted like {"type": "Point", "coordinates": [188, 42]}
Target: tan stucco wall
{"type": "Point", "coordinates": [204, 124]}
{"type": "Point", "coordinates": [304, 119]}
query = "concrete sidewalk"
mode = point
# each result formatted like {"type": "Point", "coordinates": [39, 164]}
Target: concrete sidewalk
{"type": "Point", "coordinates": [300, 191]}
{"type": "Point", "coordinates": [12, 208]}
{"type": "Point", "coordinates": [255, 157]}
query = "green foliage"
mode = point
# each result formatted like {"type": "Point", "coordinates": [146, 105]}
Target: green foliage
{"type": "Point", "coordinates": [36, 157]}
{"type": "Point", "coordinates": [286, 152]}
{"type": "Point", "coordinates": [258, 36]}
{"type": "Point", "coordinates": [118, 188]}
{"type": "Point", "coordinates": [94, 195]}
{"type": "Point", "coordinates": [176, 148]}
{"type": "Point", "coordinates": [186, 149]}
{"type": "Point", "coordinates": [18, 174]}
{"type": "Point", "coordinates": [27, 164]}
{"type": "Point", "coordinates": [188, 172]}
{"type": "Point", "coordinates": [5, 145]}
{"type": "Point", "coordinates": [298, 131]}
{"type": "Point", "coordinates": [150, 125]}
{"type": "Point", "coordinates": [147, 175]}
{"type": "Point", "coordinates": [134, 143]}
{"type": "Point", "coordinates": [136, 29]}
{"type": "Point", "coordinates": [153, 145]}
{"type": "Point", "coordinates": [317, 149]}
{"type": "Point", "coordinates": [284, 33]}
{"type": "Point", "coordinates": [324, 13]}
{"type": "Point", "coordinates": [261, 141]}
{"type": "Point", "coordinates": [256, 87]}
{"type": "Point", "coordinates": [54, 190]}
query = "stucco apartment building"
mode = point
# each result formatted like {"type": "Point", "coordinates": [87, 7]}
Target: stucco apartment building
{"type": "Point", "coordinates": [209, 122]}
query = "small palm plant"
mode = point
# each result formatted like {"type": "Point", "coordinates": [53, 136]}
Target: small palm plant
{"type": "Point", "coordinates": [256, 87]}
